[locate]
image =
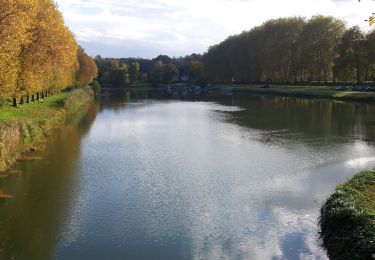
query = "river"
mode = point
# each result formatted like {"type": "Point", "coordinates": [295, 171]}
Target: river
{"type": "Point", "coordinates": [147, 175]}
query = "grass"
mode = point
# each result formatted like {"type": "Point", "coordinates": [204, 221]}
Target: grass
{"type": "Point", "coordinates": [327, 92]}
{"type": "Point", "coordinates": [369, 194]}
{"type": "Point", "coordinates": [347, 219]}
{"type": "Point", "coordinates": [35, 109]}
{"type": "Point", "coordinates": [25, 128]}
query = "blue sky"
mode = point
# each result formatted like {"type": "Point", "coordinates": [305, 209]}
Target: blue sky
{"type": "Point", "coordinates": [147, 28]}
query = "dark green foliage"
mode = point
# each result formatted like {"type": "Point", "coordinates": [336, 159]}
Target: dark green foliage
{"type": "Point", "coordinates": [170, 73]}
{"type": "Point", "coordinates": [290, 50]}
{"type": "Point", "coordinates": [95, 86]}
{"type": "Point", "coordinates": [113, 73]}
{"type": "Point", "coordinates": [133, 72]}
{"type": "Point", "coordinates": [162, 69]}
{"type": "Point", "coordinates": [157, 73]}
{"type": "Point", "coordinates": [347, 223]}
{"type": "Point", "coordinates": [351, 61]}
{"type": "Point", "coordinates": [163, 73]}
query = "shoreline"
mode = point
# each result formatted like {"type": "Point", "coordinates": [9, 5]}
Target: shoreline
{"type": "Point", "coordinates": [24, 131]}
{"type": "Point", "coordinates": [317, 92]}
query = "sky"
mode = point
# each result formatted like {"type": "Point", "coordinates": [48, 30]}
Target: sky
{"type": "Point", "coordinates": [147, 28]}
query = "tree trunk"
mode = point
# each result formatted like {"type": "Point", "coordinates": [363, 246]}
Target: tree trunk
{"type": "Point", "coordinates": [42, 95]}
{"type": "Point", "coordinates": [21, 101]}
{"type": "Point", "coordinates": [33, 97]}
{"type": "Point", "coordinates": [37, 96]}
{"type": "Point", "coordinates": [15, 103]}
{"type": "Point", "coordinates": [28, 99]}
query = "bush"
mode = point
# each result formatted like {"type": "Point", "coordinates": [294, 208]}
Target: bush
{"type": "Point", "coordinates": [347, 223]}
{"type": "Point", "coordinates": [95, 86]}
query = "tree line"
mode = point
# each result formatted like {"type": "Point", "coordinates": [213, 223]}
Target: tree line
{"type": "Point", "coordinates": [124, 72]}
{"type": "Point", "coordinates": [38, 54]}
{"type": "Point", "coordinates": [286, 50]}
{"type": "Point", "coordinates": [292, 50]}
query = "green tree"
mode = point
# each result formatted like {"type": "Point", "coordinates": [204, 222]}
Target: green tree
{"type": "Point", "coordinates": [117, 75]}
{"type": "Point", "coordinates": [319, 39]}
{"type": "Point", "coordinates": [350, 63]}
{"type": "Point", "coordinates": [157, 73]}
{"type": "Point", "coordinates": [133, 72]}
{"type": "Point", "coordinates": [170, 73]}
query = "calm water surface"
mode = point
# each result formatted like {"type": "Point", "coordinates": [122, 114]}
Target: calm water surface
{"type": "Point", "coordinates": [149, 177]}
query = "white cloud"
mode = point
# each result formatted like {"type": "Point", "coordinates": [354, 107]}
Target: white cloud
{"type": "Point", "coordinates": [179, 27]}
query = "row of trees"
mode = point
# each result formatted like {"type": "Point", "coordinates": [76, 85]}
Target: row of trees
{"type": "Point", "coordinates": [183, 69]}
{"type": "Point", "coordinates": [293, 49]}
{"type": "Point", "coordinates": [38, 53]}
{"type": "Point", "coordinates": [117, 74]}
{"type": "Point", "coordinates": [162, 69]}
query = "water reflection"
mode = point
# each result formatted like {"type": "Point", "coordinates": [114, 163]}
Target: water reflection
{"type": "Point", "coordinates": [31, 223]}
{"type": "Point", "coordinates": [209, 177]}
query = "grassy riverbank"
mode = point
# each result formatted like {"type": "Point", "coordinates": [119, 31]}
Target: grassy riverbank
{"type": "Point", "coordinates": [25, 128]}
{"type": "Point", "coordinates": [348, 219]}
{"type": "Point", "coordinates": [328, 92]}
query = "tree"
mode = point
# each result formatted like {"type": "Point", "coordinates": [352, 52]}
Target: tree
{"type": "Point", "coordinates": [117, 75]}
{"type": "Point", "coordinates": [280, 50]}
{"type": "Point", "coordinates": [48, 58]}
{"type": "Point", "coordinates": [133, 72]}
{"type": "Point", "coordinates": [88, 70]}
{"type": "Point", "coordinates": [157, 73]}
{"type": "Point", "coordinates": [16, 21]}
{"type": "Point", "coordinates": [350, 63]}
{"type": "Point", "coordinates": [320, 37]}
{"type": "Point", "coordinates": [170, 73]}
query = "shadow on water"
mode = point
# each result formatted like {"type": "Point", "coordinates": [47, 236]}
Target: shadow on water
{"type": "Point", "coordinates": [312, 118]}
{"type": "Point", "coordinates": [30, 223]}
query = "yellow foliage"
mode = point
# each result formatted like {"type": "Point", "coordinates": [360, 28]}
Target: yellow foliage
{"type": "Point", "coordinates": [37, 51]}
{"type": "Point", "coordinates": [88, 70]}
{"type": "Point", "coordinates": [15, 22]}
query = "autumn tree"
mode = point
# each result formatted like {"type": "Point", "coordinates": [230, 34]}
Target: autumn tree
{"type": "Point", "coordinates": [38, 53]}
{"type": "Point", "coordinates": [16, 21]}
{"type": "Point", "coordinates": [88, 70]}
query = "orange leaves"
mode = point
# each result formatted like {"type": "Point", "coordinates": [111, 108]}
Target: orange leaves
{"type": "Point", "coordinates": [87, 68]}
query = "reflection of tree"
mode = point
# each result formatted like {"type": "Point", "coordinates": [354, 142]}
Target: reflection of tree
{"type": "Point", "coordinates": [314, 118]}
{"type": "Point", "coordinates": [30, 224]}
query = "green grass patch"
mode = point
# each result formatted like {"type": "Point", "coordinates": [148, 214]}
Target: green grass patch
{"type": "Point", "coordinates": [325, 92]}
{"type": "Point", "coordinates": [35, 109]}
{"type": "Point", "coordinates": [347, 219]}
{"type": "Point", "coordinates": [25, 128]}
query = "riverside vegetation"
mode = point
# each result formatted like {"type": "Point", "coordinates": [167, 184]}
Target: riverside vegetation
{"type": "Point", "coordinates": [348, 219]}
{"type": "Point", "coordinates": [26, 129]}
{"type": "Point", "coordinates": [39, 55]}
{"type": "Point", "coordinates": [40, 65]}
